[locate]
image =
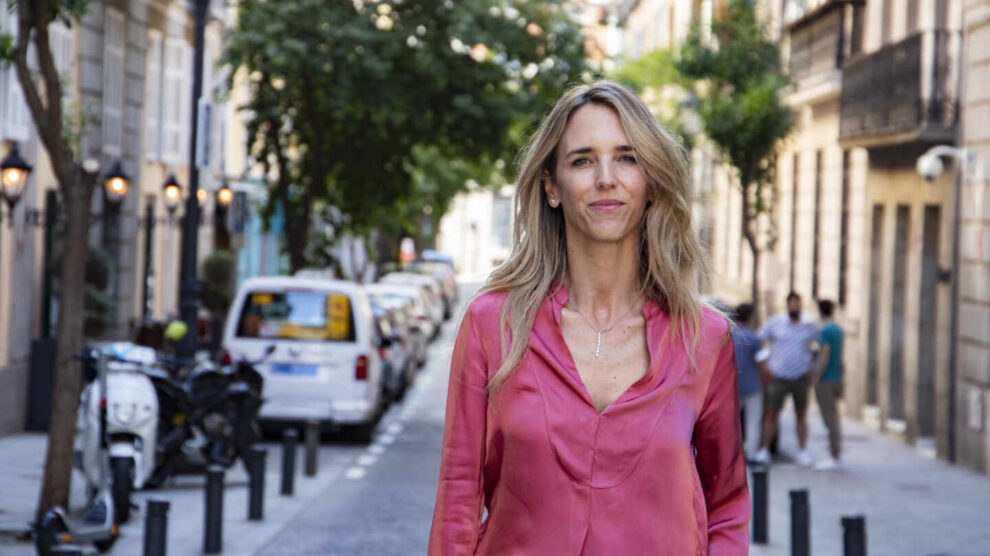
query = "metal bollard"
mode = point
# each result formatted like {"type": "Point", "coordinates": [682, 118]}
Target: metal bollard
{"type": "Point", "coordinates": [800, 521]}
{"type": "Point", "coordinates": [761, 480]}
{"type": "Point", "coordinates": [156, 528]}
{"type": "Point", "coordinates": [312, 447]}
{"type": "Point", "coordinates": [853, 535]}
{"type": "Point", "coordinates": [289, 461]}
{"type": "Point", "coordinates": [256, 484]}
{"type": "Point", "coordinates": [213, 534]}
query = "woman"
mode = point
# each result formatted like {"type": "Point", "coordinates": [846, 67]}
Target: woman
{"type": "Point", "coordinates": [592, 403]}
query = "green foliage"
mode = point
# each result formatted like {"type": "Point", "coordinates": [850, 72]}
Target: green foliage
{"type": "Point", "coordinates": [663, 89]}
{"type": "Point", "coordinates": [360, 95]}
{"type": "Point", "coordinates": [218, 279]}
{"type": "Point", "coordinates": [740, 107]}
{"type": "Point", "coordinates": [97, 304]}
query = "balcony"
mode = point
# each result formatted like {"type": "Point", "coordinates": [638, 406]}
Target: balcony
{"type": "Point", "coordinates": [902, 93]}
{"type": "Point", "coordinates": [818, 41]}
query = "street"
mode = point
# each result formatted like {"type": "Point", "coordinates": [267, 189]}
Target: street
{"type": "Point", "coordinates": [378, 499]}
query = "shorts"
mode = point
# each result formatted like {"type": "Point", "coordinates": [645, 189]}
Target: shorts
{"type": "Point", "coordinates": [779, 388]}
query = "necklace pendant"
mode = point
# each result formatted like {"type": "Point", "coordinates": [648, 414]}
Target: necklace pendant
{"type": "Point", "coordinates": [599, 346]}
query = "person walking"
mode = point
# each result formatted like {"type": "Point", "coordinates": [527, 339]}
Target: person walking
{"type": "Point", "coordinates": [790, 337]}
{"type": "Point", "coordinates": [592, 404]}
{"type": "Point", "coordinates": [747, 346]}
{"type": "Point", "coordinates": [828, 382]}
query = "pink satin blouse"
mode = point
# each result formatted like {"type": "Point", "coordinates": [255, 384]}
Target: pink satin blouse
{"type": "Point", "coordinates": [660, 471]}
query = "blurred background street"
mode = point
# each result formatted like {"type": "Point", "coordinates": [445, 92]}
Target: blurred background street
{"type": "Point", "coordinates": [226, 222]}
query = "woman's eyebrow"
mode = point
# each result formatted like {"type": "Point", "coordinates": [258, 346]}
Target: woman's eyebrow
{"type": "Point", "coordinates": [625, 148]}
{"type": "Point", "coordinates": [582, 150]}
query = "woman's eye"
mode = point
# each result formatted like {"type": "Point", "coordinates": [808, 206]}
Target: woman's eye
{"type": "Point", "coordinates": [580, 162]}
{"type": "Point", "coordinates": [628, 158]}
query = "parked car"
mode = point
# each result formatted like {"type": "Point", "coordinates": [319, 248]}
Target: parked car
{"type": "Point", "coordinates": [326, 365]}
{"type": "Point", "coordinates": [412, 301]}
{"type": "Point", "coordinates": [444, 274]}
{"type": "Point", "coordinates": [399, 366]}
{"type": "Point", "coordinates": [433, 291]}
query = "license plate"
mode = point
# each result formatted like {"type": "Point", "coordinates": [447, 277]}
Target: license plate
{"type": "Point", "coordinates": [303, 370]}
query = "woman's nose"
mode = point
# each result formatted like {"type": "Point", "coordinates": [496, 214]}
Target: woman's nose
{"type": "Point", "coordinates": [605, 178]}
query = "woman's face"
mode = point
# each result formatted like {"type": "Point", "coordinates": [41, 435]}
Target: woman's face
{"type": "Point", "coordinates": [598, 181]}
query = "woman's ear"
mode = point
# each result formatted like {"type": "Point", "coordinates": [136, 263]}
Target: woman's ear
{"type": "Point", "coordinates": [550, 189]}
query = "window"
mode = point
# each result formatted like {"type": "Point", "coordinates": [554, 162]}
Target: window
{"type": "Point", "coordinates": [297, 315]}
{"type": "Point", "coordinates": [113, 83]}
{"type": "Point", "coordinates": [795, 179]}
{"type": "Point", "coordinates": [886, 21]}
{"type": "Point", "coordinates": [62, 43]}
{"type": "Point", "coordinates": [912, 16]}
{"type": "Point", "coordinates": [15, 122]}
{"type": "Point", "coordinates": [176, 101]}
{"type": "Point", "coordinates": [816, 248]}
{"type": "Point", "coordinates": [844, 228]}
{"type": "Point", "coordinates": [153, 98]}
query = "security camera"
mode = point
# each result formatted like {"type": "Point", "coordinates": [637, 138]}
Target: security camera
{"type": "Point", "coordinates": [929, 166]}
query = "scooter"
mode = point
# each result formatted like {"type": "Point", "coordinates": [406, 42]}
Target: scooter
{"type": "Point", "coordinates": [98, 525]}
{"type": "Point", "coordinates": [131, 423]}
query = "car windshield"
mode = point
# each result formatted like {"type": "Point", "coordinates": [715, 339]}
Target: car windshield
{"type": "Point", "coordinates": [297, 315]}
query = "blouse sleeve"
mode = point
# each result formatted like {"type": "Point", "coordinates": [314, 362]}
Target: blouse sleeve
{"type": "Point", "coordinates": [457, 517]}
{"type": "Point", "coordinates": [721, 466]}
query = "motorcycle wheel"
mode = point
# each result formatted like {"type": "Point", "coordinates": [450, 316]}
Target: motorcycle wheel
{"type": "Point", "coordinates": [105, 545]}
{"type": "Point", "coordinates": [122, 480]}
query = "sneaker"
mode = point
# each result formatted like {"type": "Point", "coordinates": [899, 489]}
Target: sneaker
{"type": "Point", "coordinates": [830, 464]}
{"type": "Point", "coordinates": [804, 458]}
{"type": "Point", "coordinates": [762, 456]}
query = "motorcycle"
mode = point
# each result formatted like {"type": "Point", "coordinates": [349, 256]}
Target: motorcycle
{"type": "Point", "coordinates": [208, 415]}
{"type": "Point", "coordinates": [131, 421]}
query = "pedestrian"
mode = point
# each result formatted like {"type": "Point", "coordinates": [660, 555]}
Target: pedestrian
{"type": "Point", "coordinates": [828, 382]}
{"type": "Point", "coordinates": [747, 346]}
{"type": "Point", "coordinates": [790, 337]}
{"type": "Point", "coordinates": [592, 404]}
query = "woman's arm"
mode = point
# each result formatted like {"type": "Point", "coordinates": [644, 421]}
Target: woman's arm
{"type": "Point", "coordinates": [721, 467]}
{"type": "Point", "coordinates": [457, 516]}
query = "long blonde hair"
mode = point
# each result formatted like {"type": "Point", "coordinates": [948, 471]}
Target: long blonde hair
{"type": "Point", "coordinates": [671, 257]}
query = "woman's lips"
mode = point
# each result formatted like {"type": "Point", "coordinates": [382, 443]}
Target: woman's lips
{"type": "Point", "coordinates": [607, 205]}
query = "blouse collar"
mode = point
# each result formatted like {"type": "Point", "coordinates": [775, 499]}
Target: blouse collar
{"type": "Point", "coordinates": [558, 298]}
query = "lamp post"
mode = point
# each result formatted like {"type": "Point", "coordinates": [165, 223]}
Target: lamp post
{"type": "Point", "coordinates": [189, 288]}
{"type": "Point", "coordinates": [116, 183]}
{"type": "Point", "coordinates": [172, 193]}
{"type": "Point", "coordinates": [14, 172]}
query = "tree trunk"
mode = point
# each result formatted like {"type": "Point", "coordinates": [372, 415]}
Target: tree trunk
{"type": "Point", "coordinates": [66, 387]}
{"type": "Point", "coordinates": [748, 223]}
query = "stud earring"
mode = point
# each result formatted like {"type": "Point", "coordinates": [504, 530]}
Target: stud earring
{"type": "Point", "coordinates": [553, 202]}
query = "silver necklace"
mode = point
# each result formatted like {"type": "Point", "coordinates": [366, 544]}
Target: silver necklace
{"type": "Point", "coordinates": [601, 331]}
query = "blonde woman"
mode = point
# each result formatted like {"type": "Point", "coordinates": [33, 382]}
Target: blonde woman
{"type": "Point", "coordinates": [592, 404]}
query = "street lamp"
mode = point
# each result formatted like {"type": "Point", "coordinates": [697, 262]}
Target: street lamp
{"type": "Point", "coordinates": [224, 195]}
{"type": "Point", "coordinates": [116, 183]}
{"type": "Point", "coordinates": [172, 193]}
{"type": "Point", "coordinates": [14, 172]}
{"type": "Point", "coordinates": [201, 196]}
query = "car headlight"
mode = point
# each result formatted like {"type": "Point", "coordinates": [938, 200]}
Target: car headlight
{"type": "Point", "coordinates": [124, 414]}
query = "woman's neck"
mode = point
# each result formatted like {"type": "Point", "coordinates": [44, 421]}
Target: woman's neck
{"type": "Point", "coordinates": [603, 279]}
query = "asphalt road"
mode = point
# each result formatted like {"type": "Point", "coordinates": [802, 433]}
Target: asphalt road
{"type": "Point", "coordinates": [383, 503]}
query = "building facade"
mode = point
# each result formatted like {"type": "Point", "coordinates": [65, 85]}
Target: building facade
{"type": "Point", "coordinates": [875, 83]}
{"type": "Point", "coordinates": [126, 72]}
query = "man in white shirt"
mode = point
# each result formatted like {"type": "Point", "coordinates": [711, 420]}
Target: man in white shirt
{"type": "Point", "coordinates": [790, 337]}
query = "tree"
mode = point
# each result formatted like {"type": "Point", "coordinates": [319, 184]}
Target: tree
{"type": "Point", "coordinates": [345, 94]}
{"type": "Point", "coordinates": [43, 94]}
{"type": "Point", "coordinates": [740, 106]}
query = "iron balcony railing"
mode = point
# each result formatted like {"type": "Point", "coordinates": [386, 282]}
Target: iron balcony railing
{"type": "Point", "coordinates": [901, 89]}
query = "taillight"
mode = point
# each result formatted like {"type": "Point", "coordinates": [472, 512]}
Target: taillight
{"type": "Point", "coordinates": [225, 359]}
{"type": "Point", "coordinates": [361, 368]}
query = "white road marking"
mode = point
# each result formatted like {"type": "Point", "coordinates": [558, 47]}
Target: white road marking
{"type": "Point", "coordinates": [376, 449]}
{"type": "Point", "coordinates": [394, 428]}
{"type": "Point", "coordinates": [367, 460]}
{"type": "Point", "coordinates": [355, 473]}
{"type": "Point", "coordinates": [386, 439]}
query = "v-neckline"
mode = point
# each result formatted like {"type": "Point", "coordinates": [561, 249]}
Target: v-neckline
{"type": "Point", "coordinates": [558, 298]}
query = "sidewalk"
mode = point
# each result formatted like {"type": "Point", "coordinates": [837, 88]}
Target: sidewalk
{"type": "Point", "coordinates": [21, 458]}
{"type": "Point", "coordinates": [913, 505]}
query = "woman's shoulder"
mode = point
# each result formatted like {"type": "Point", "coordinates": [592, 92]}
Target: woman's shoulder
{"type": "Point", "coordinates": [487, 306]}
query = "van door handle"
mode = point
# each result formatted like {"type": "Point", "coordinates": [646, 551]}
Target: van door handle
{"type": "Point", "coordinates": [294, 351]}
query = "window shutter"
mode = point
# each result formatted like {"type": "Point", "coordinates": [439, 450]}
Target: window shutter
{"type": "Point", "coordinates": [16, 120]}
{"type": "Point", "coordinates": [153, 98]}
{"type": "Point", "coordinates": [172, 102]}
{"type": "Point", "coordinates": [185, 100]}
{"type": "Point", "coordinates": [62, 43]}
{"type": "Point", "coordinates": [113, 83]}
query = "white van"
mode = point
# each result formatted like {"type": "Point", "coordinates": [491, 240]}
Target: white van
{"type": "Point", "coordinates": [326, 365]}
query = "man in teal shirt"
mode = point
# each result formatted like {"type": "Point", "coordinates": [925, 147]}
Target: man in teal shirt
{"type": "Point", "coordinates": [828, 381]}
